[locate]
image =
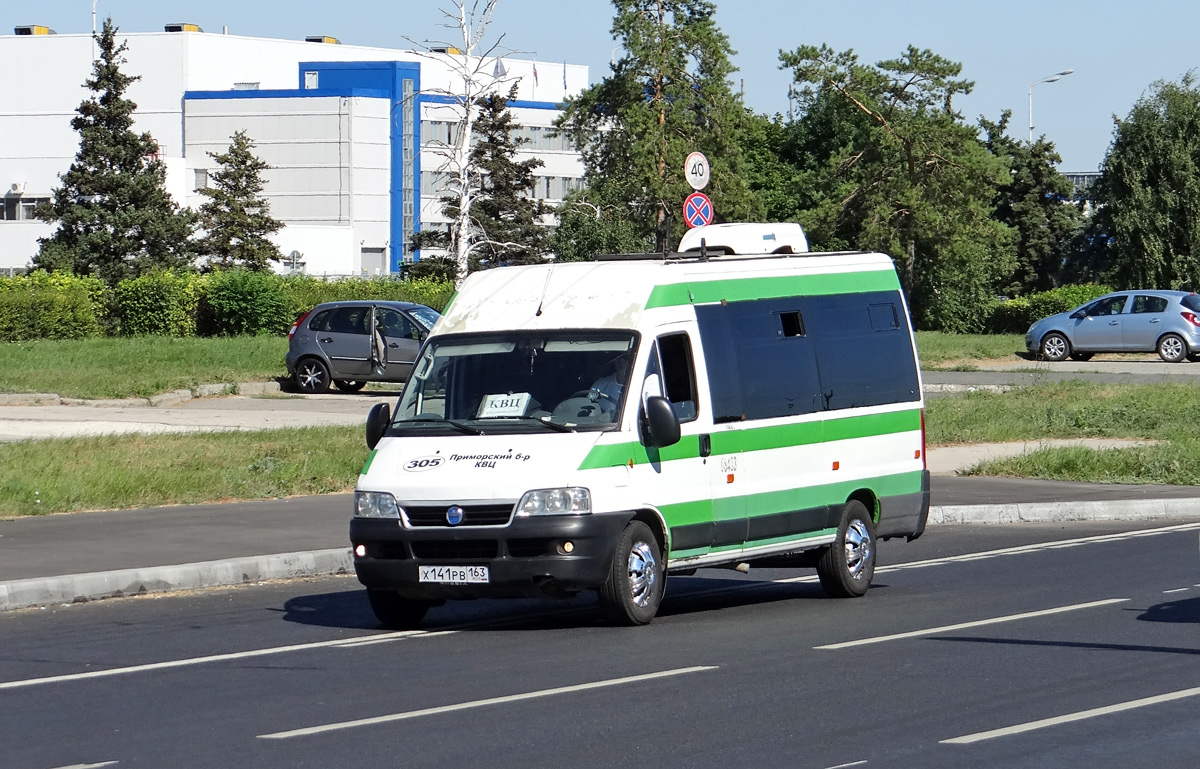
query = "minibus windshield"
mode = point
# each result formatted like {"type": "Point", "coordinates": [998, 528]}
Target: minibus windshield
{"type": "Point", "coordinates": [518, 382]}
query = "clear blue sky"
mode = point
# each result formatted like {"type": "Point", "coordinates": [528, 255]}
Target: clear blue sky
{"type": "Point", "coordinates": [1116, 47]}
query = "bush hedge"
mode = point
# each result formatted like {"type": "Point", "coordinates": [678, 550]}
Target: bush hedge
{"type": "Point", "coordinates": [52, 306]}
{"type": "Point", "coordinates": [162, 303]}
{"type": "Point", "coordinates": [1016, 315]}
{"type": "Point", "coordinates": [236, 302]}
{"type": "Point", "coordinates": [44, 305]}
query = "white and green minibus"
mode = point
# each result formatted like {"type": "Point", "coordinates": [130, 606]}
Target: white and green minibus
{"type": "Point", "coordinates": [600, 425]}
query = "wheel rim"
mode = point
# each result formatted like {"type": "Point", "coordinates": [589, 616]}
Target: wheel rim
{"type": "Point", "coordinates": [1055, 347]}
{"type": "Point", "coordinates": [643, 573]}
{"type": "Point", "coordinates": [858, 548]}
{"type": "Point", "coordinates": [311, 376]}
{"type": "Point", "coordinates": [1172, 347]}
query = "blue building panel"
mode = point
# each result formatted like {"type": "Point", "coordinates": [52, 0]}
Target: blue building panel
{"type": "Point", "coordinates": [388, 77]}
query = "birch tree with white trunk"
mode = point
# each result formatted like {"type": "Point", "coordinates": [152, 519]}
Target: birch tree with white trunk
{"type": "Point", "coordinates": [476, 69]}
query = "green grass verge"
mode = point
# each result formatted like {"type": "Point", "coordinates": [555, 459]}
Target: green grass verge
{"type": "Point", "coordinates": [1172, 464]}
{"type": "Point", "coordinates": [53, 476]}
{"type": "Point", "coordinates": [57, 476]}
{"type": "Point", "coordinates": [1065, 410]}
{"type": "Point", "coordinates": [955, 351]}
{"type": "Point", "coordinates": [1167, 413]}
{"type": "Point", "coordinates": [137, 366]}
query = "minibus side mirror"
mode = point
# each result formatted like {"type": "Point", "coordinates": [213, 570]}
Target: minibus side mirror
{"type": "Point", "coordinates": [378, 419]}
{"type": "Point", "coordinates": [661, 422]}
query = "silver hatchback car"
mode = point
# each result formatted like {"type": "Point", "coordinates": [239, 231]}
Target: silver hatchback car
{"type": "Point", "coordinates": [350, 343]}
{"type": "Point", "coordinates": [1166, 322]}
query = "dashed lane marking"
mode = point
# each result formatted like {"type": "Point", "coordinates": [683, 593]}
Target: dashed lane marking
{"type": "Point", "coordinates": [976, 623]}
{"type": "Point", "coordinates": [387, 637]}
{"type": "Point", "coordinates": [481, 703]}
{"type": "Point", "coordinates": [213, 658]}
{"type": "Point", "coordinates": [1082, 715]}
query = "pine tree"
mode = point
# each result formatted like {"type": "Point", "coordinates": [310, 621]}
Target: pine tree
{"type": "Point", "coordinates": [115, 217]}
{"type": "Point", "coordinates": [666, 97]}
{"type": "Point", "coordinates": [236, 219]}
{"type": "Point", "coordinates": [505, 218]}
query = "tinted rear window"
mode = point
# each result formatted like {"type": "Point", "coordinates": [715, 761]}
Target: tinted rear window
{"type": "Point", "coordinates": [1192, 302]}
{"type": "Point", "coordinates": [778, 357]}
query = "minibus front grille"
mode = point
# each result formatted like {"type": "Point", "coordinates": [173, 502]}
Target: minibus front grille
{"type": "Point", "coordinates": [456, 550]}
{"type": "Point", "coordinates": [472, 515]}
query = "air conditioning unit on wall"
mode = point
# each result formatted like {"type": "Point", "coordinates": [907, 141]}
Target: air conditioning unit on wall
{"type": "Point", "coordinates": [17, 188]}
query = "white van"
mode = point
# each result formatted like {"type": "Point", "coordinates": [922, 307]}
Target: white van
{"type": "Point", "coordinates": [599, 425]}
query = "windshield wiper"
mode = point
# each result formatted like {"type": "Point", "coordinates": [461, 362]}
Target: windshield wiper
{"type": "Point", "coordinates": [457, 425]}
{"type": "Point", "coordinates": [542, 421]}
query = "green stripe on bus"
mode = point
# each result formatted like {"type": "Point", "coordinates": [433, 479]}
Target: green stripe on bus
{"type": "Point", "coordinates": [771, 502]}
{"type": "Point", "coordinates": [370, 459]}
{"type": "Point", "coordinates": [737, 290]}
{"type": "Point", "coordinates": [757, 439]}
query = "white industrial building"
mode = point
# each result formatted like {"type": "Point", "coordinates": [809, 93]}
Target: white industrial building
{"type": "Point", "coordinates": [351, 132]}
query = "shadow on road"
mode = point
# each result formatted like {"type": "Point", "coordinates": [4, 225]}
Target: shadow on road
{"type": "Point", "coordinates": [1071, 645]}
{"type": "Point", "coordinates": [1175, 611]}
{"type": "Point", "coordinates": [685, 596]}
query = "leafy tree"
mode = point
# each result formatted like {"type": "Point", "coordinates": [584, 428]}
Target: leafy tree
{"type": "Point", "coordinates": [587, 229]}
{"type": "Point", "coordinates": [906, 176]}
{"type": "Point", "coordinates": [236, 219]}
{"type": "Point", "coordinates": [668, 95]}
{"type": "Point", "coordinates": [505, 218]}
{"type": "Point", "coordinates": [1036, 203]}
{"type": "Point", "coordinates": [1148, 220]}
{"type": "Point", "coordinates": [115, 217]}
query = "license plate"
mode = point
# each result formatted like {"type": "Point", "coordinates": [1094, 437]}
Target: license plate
{"type": "Point", "coordinates": [453, 575]}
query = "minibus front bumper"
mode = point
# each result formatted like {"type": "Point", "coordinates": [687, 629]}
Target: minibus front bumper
{"type": "Point", "coordinates": [553, 556]}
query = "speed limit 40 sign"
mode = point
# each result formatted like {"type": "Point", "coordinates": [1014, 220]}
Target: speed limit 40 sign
{"type": "Point", "coordinates": [695, 170]}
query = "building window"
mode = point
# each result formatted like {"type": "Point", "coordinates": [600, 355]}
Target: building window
{"type": "Point", "coordinates": [201, 179]}
{"type": "Point", "coordinates": [14, 209]}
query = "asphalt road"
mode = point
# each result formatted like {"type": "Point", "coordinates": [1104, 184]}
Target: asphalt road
{"type": "Point", "coordinates": [1061, 645]}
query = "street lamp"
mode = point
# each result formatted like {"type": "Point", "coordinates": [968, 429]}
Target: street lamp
{"type": "Point", "coordinates": [1049, 79]}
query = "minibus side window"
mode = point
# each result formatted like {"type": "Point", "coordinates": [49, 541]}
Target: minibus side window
{"type": "Point", "coordinates": [678, 374]}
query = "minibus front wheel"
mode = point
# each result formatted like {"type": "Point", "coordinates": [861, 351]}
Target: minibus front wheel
{"type": "Point", "coordinates": [847, 567]}
{"type": "Point", "coordinates": [634, 588]}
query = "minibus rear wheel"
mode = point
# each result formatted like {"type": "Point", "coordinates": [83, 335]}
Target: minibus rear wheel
{"type": "Point", "coordinates": [394, 611]}
{"type": "Point", "coordinates": [634, 588]}
{"type": "Point", "coordinates": [847, 567]}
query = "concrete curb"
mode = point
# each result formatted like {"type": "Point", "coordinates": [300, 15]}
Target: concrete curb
{"type": "Point", "coordinates": [1055, 512]}
{"type": "Point", "coordinates": [162, 400]}
{"type": "Point", "coordinates": [80, 588]}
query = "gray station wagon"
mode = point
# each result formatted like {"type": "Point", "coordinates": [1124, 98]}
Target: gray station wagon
{"type": "Point", "coordinates": [350, 343]}
{"type": "Point", "coordinates": [1166, 322]}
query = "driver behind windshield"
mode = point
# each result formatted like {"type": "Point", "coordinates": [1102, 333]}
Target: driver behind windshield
{"type": "Point", "coordinates": [611, 386]}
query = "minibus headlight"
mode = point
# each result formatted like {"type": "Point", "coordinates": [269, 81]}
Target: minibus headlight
{"type": "Point", "coordinates": [375, 504]}
{"type": "Point", "coordinates": [569, 501]}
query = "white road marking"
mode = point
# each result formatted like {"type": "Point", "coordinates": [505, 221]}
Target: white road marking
{"type": "Point", "coordinates": [1080, 716]}
{"type": "Point", "coordinates": [386, 637]}
{"type": "Point", "coordinates": [846, 766]}
{"type": "Point", "coordinates": [1064, 543]}
{"type": "Point", "coordinates": [1177, 590]}
{"type": "Point", "coordinates": [482, 703]}
{"type": "Point", "coordinates": [89, 766]}
{"type": "Point", "coordinates": [976, 623]}
{"type": "Point", "coordinates": [213, 658]}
